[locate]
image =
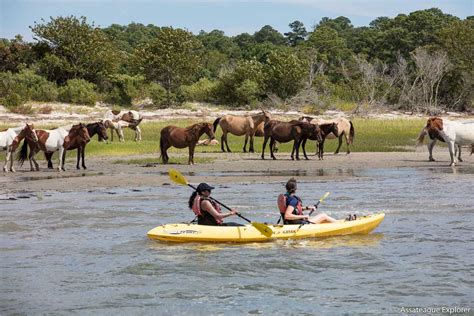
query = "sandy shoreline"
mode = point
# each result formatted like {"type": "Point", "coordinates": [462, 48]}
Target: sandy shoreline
{"type": "Point", "coordinates": [226, 169]}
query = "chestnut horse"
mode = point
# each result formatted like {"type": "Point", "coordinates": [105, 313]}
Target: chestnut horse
{"type": "Point", "coordinates": [454, 133]}
{"type": "Point", "coordinates": [11, 138]}
{"type": "Point", "coordinates": [326, 129]}
{"type": "Point", "coordinates": [240, 125]}
{"type": "Point", "coordinates": [77, 138]}
{"type": "Point", "coordinates": [284, 132]}
{"type": "Point", "coordinates": [183, 137]}
{"type": "Point", "coordinates": [344, 126]}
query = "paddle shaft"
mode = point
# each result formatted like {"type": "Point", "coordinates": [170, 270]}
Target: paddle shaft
{"type": "Point", "coordinates": [225, 206]}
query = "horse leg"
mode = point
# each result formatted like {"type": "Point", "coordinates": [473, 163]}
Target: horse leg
{"type": "Point", "coordinates": [272, 142]}
{"type": "Point", "coordinates": [83, 152]}
{"type": "Point", "coordinates": [48, 158]}
{"type": "Point", "coordinates": [227, 144]}
{"type": "Point", "coordinates": [138, 131]}
{"type": "Point", "coordinates": [263, 147]}
{"type": "Point", "coordinates": [297, 145]}
{"type": "Point", "coordinates": [62, 157]}
{"type": "Point", "coordinates": [222, 141]}
{"type": "Point", "coordinates": [459, 156]}
{"type": "Point", "coordinates": [451, 153]}
{"type": "Point", "coordinates": [245, 143]}
{"type": "Point", "coordinates": [303, 144]}
{"type": "Point", "coordinates": [191, 155]}
{"type": "Point", "coordinates": [340, 144]}
{"type": "Point", "coordinates": [347, 144]}
{"type": "Point", "coordinates": [292, 152]}
{"type": "Point", "coordinates": [7, 160]}
{"type": "Point", "coordinates": [321, 150]}
{"type": "Point", "coordinates": [251, 149]}
{"type": "Point", "coordinates": [430, 149]}
{"type": "Point", "coordinates": [78, 158]}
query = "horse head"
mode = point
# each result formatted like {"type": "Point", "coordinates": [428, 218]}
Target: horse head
{"type": "Point", "coordinates": [316, 131]}
{"type": "Point", "coordinates": [209, 130]}
{"type": "Point", "coordinates": [102, 130]}
{"type": "Point", "coordinates": [266, 116]}
{"type": "Point", "coordinates": [79, 131]}
{"type": "Point", "coordinates": [30, 133]}
{"type": "Point", "coordinates": [435, 123]}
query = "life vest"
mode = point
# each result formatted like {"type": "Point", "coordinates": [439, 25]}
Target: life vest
{"type": "Point", "coordinates": [283, 204]}
{"type": "Point", "coordinates": [204, 217]}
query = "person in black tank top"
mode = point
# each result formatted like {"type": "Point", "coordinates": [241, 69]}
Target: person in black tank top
{"type": "Point", "coordinates": [208, 211]}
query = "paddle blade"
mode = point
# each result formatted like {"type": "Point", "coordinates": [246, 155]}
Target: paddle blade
{"type": "Point", "coordinates": [324, 196]}
{"type": "Point", "coordinates": [177, 177]}
{"type": "Point", "coordinates": [264, 229]}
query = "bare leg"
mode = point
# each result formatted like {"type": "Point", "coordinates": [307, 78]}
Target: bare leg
{"type": "Point", "coordinates": [321, 218]}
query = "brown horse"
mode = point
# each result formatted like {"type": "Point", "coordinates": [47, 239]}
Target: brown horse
{"type": "Point", "coordinates": [240, 125]}
{"type": "Point", "coordinates": [284, 132]}
{"type": "Point", "coordinates": [325, 129]}
{"type": "Point", "coordinates": [345, 128]}
{"type": "Point", "coordinates": [183, 137]}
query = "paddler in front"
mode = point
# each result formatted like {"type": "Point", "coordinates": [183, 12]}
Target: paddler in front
{"type": "Point", "coordinates": [207, 211]}
{"type": "Point", "coordinates": [291, 208]}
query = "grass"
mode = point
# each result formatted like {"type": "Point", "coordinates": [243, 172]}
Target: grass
{"type": "Point", "coordinates": [371, 135]}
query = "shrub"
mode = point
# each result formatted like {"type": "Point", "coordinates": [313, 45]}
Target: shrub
{"type": "Point", "coordinates": [37, 87]}
{"type": "Point", "coordinates": [23, 109]}
{"type": "Point", "coordinates": [247, 92]}
{"type": "Point", "coordinates": [46, 109]}
{"type": "Point", "coordinates": [78, 91]}
{"type": "Point", "coordinates": [12, 100]}
{"type": "Point", "coordinates": [124, 88]}
{"type": "Point", "coordinates": [158, 94]}
{"type": "Point", "coordinates": [201, 91]}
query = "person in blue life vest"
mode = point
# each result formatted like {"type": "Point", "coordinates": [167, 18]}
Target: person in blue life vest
{"type": "Point", "coordinates": [208, 211]}
{"type": "Point", "coordinates": [291, 208]}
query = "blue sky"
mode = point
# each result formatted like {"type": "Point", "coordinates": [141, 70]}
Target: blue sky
{"type": "Point", "coordinates": [231, 16]}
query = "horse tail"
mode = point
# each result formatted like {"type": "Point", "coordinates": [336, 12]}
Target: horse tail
{"type": "Point", "coordinates": [23, 154]}
{"type": "Point", "coordinates": [421, 137]}
{"type": "Point", "coordinates": [216, 122]}
{"type": "Point", "coordinates": [351, 133]}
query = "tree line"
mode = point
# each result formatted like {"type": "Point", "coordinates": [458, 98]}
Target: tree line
{"type": "Point", "coordinates": [420, 62]}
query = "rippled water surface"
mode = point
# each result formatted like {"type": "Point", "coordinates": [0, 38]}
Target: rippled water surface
{"type": "Point", "coordinates": [87, 252]}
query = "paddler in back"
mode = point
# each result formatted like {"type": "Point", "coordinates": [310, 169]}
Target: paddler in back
{"type": "Point", "coordinates": [208, 211]}
{"type": "Point", "coordinates": [291, 208]}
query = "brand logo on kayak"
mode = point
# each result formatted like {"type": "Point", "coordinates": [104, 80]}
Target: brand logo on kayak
{"type": "Point", "coordinates": [185, 231]}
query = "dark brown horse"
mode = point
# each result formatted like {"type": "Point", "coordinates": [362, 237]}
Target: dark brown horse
{"type": "Point", "coordinates": [98, 128]}
{"type": "Point", "coordinates": [77, 138]}
{"type": "Point", "coordinates": [325, 130]}
{"type": "Point", "coordinates": [284, 132]}
{"type": "Point", "coordinates": [183, 137]}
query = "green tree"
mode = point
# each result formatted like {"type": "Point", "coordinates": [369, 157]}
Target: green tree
{"type": "Point", "coordinates": [76, 49]}
{"type": "Point", "coordinates": [297, 35]}
{"type": "Point", "coordinates": [269, 34]}
{"type": "Point", "coordinates": [171, 59]}
{"type": "Point", "coordinates": [14, 54]}
{"type": "Point", "coordinates": [285, 73]}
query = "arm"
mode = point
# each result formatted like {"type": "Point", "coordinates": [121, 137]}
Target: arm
{"type": "Point", "coordinates": [207, 206]}
{"type": "Point", "coordinates": [290, 216]}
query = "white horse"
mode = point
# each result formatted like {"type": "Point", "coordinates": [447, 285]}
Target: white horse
{"type": "Point", "coordinates": [9, 140]}
{"type": "Point", "coordinates": [344, 127]}
{"type": "Point", "coordinates": [117, 120]}
{"type": "Point", "coordinates": [48, 141]}
{"type": "Point", "coordinates": [454, 133]}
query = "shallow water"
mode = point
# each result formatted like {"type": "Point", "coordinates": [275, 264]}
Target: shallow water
{"type": "Point", "coordinates": [87, 252]}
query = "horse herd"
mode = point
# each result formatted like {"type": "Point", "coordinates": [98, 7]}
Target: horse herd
{"type": "Point", "coordinates": [62, 139]}
{"type": "Point", "coordinates": [260, 125]}
{"type": "Point", "coordinates": [455, 134]}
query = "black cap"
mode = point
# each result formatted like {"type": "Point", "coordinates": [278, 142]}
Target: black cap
{"type": "Point", "coordinates": [203, 187]}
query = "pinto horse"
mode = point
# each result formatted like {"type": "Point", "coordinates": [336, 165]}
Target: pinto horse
{"type": "Point", "coordinates": [240, 125]}
{"type": "Point", "coordinates": [117, 120]}
{"type": "Point", "coordinates": [77, 138]}
{"type": "Point", "coordinates": [183, 137]}
{"type": "Point", "coordinates": [344, 126]}
{"type": "Point", "coordinates": [284, 132]}
{"type": "Point", "coordinates": [11, 138]}
{"type": "Point", "coordinates": [454, 133]}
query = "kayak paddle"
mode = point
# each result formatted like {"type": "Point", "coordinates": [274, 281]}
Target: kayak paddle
{"type": "Point", "coordinates": [177, 177]}
{"type": "Point", "coordinates": [320, 200]}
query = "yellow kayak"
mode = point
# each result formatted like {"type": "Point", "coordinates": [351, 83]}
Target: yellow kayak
{"type": "Point", "coordinates": [248, 233]}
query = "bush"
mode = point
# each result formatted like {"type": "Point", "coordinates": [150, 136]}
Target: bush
{"type": "Point", "coordinates": [248, 92]}
{"type": "Point", "coordinates": [78, 91]}
{"type": "Point", "coordinates": [201, 91]}
{"type": "Point", "coordinates": [37, 87]}
{"type": "Point", "coordinates": [124, 88]}
{"type": "Point", "coordinates": [158, 94]}
{"type": "Point", "coordinates": [12, 100]}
